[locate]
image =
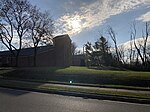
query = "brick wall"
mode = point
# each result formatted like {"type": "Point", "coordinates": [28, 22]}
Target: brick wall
{"type": "Point", "coordinates": [58, 55]}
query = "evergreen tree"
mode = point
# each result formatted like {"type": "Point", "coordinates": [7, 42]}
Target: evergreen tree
{"type": "Point", "coordinates": [99, 54]}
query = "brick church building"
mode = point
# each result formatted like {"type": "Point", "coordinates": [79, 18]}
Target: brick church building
{"type": "Point", "coordinates": [58, 54]}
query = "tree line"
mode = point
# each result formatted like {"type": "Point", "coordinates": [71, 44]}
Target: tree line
{"type": "Point", "coordinates": [136, 57]}
{"type": "Point", "coordinates": [23, 24]}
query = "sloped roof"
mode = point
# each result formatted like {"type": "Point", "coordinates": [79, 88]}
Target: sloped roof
{"type": "Point", "coordinates": [29, 51]}
{"type": "Point", "coordinates": [61, 36]}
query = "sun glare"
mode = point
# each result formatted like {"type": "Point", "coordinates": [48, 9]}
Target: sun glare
{"type": "Point", "coordinates": [75, 25]}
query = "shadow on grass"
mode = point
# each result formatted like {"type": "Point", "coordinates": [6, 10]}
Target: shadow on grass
{"type": "Point", "coordinates": [45, 74]}
{"type": "Point", "coordinates": [23, 74]}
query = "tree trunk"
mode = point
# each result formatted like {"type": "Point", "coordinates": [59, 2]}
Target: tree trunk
{"type": "Point", "coordinates": [35, 55]}
{"type": "Point", "coordinates": [17, 58]}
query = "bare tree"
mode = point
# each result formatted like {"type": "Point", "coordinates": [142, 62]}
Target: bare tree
{"type": "Point", "coordinates": [122, 53]}
{"type": "Point", "coordinates": [41, 29]}
{"type": "Point", "coordinates": [14, 24]}
{"type": "Point", "coordinates": [145, 38]}
{"type": "Point", "coordinates": [112, 35]}
{"type": "Point", "coordinates": [139, 47]}
{"type": "Point", "coordinates": [131, 54]}
{"type": "Point", "coordinates": [148, 54]}
{"type": "Point", "coordinates": [73, 48]}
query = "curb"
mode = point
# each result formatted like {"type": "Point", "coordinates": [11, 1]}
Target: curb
{"type": "Point", "coordinates": [74, 84]}
{"type": "Point", "coordinates": [86, 95]}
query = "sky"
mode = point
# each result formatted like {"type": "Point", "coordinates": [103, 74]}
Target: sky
{"type": "Point", "coordinates": [87, 20]}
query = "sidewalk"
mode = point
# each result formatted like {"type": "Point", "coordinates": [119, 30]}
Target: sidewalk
{"type": "Point", "coordinates": [136, 96]}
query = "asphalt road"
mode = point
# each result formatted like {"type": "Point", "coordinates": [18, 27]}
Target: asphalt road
{"type": "Point", "coordinates": [26, 101]}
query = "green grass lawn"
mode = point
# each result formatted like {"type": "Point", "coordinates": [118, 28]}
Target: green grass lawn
{"type": "Point", "coordinates": [79, 75]}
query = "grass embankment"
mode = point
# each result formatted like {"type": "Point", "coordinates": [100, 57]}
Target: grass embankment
{"type": "Point", "coordinates": [80, 75]}
{"type": "Point", "coordinates": [57, 88]}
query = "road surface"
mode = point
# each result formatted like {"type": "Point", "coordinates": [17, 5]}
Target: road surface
{"type": "Point", "coordinates": [26, 101]}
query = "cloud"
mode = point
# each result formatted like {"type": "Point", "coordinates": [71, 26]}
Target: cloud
{"type": "Point", "coordinates": [139, 42]}
{"type": "Point", "coordinates": [95, 14]}
{"type": "Point", "coordinates": [145, 17]}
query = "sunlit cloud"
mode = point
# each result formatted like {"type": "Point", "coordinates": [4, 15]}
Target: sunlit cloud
{"type": "Point", "coordinates": [139, 42]}
{"type": "Point", "coordinates": [145, 17]}
{"type": "Point", "coordinates": [70, 24]}
{"type": "Point", "coordinates": [95, 14]}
